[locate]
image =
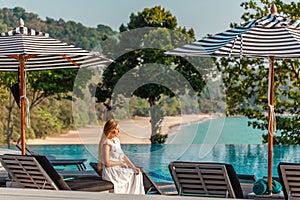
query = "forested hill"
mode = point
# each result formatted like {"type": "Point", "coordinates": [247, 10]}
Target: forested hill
{"type": "Point", "coordinates": [67, 31]}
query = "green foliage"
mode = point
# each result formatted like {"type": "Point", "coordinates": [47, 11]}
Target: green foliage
{"type": "Point", "coordinates": [246, 82]}
{"type": "Point", "coordinates": [138, 107]}
{"type": "Point", "coordinates": [171, 106]}
{"type": "Point", "coordinates": [49, 117]}
{"type": "Point", "coordinates": [160, 138]}
{"type": "Point", "coordinates": [47, 125]}
{"type": "Point", "coordinates": [152, 17]}
{"type": "Point", "coordinates": [288, 131]}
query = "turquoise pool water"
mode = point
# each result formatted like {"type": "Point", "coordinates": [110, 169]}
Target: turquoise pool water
{"type": "Point", "coordinates": [227, 140]}
{"type": "Point", "coordinates": [246, 158]}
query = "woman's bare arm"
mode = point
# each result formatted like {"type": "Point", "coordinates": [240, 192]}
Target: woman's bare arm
{"type": "Point", "coordinates": [130, 164]}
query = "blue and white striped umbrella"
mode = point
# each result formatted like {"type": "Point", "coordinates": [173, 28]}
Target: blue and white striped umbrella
{"type": "Point", "coordinates": [42, 52]}
{"type": "Point", "coordinates": [270, 37]}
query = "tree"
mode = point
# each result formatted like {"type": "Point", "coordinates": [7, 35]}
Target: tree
{"type": "Point", "coordinates": [140, 53]}
{"type": "Point", "coordinates": [246, 83]}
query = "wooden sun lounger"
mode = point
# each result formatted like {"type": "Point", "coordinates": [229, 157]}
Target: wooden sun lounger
{"type": "Point", "coordinates": [289, 177]}
{"type": "Point", "coordinates": [37, 172]}
{"type": "Point", "coordinates": [79, 163]}
{"type": "Point", "coordinates": [206, 179]}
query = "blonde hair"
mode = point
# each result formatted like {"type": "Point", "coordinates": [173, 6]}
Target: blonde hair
{"type": "Point", "coordinates": [109, 126]}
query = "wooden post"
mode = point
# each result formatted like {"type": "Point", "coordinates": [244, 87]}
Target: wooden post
{"type": "Point", "coordinates": [271, 121]}
{"type": "Point", "coordinates": [22, 101]}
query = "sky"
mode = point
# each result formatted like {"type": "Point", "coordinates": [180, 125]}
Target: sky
{"type": "Point", "coordinates": [204, 16]}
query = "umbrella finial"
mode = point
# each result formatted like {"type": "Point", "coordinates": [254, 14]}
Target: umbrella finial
{"type": "Point", "coordinates": [21, 22]}
{"type": "Point", "coordinates": [273, 9]}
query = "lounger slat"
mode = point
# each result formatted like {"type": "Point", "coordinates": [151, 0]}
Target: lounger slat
{"type": "Point", "coordinates": [24, 180]}
{"type": "Point", "coordinates": [186, 171]}
{"type": "Point", "coordinates": [215, 182]}
{"type": "Point", "coordinates": [41, 183]}
{"type": "Point", "coordinates": [21, 171]}
{"type": "Point", "coordinates": [209, 187]}
{"type": "Point", "coordinates": [195, 170]}
{"type": "Point", "coordinates": [212, 170]}
{"type": "Point", "coordinates": [187, 185]}
{"type": "Point", "coordinates": [294, 184]}
{"type": "Point", "coordinates": [198, 181]}
{"type": "Point", "coordinates": [203, 193]}
{"type": "Point", "coordinates": [220, 187]}
{"type": "Point", "coordinates": [293, 178]}
{"type": "Point", "coordinates": [35, 177]}
{"type": "Point", "coordinates": [37, 186]}
{"type": "Point", "coordinates": [192, 176]}
{"type": "Point", "coordinates": [23, 161]}
{"type": "Point", "coordinates": [295, 196]}
{"type": "Point", "coordinates": [294, 190]}
{"type": "Point", "coordinates": [194, 181]}
{"type": "Point", "coordinates": [292, 173]}
{"type": "Point", "coordinates": [215, 177]}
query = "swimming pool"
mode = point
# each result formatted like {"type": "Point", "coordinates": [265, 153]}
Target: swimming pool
{"type": "Point", "coordinates": [245, 158]}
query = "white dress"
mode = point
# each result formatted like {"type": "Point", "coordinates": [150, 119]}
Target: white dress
{"type": "Point", "coordinates": [124, 179]}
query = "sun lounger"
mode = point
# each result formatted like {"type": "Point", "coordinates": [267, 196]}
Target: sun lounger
{"type": "Point", "coordinates": [247, 178]}
{"type": "Point", "coordinates": [38, 173]}
{"type": "Point", "coordinates": [150, 186]}
{"type": "Point", "coordinates": [206, 179]}
{"type": "Point", "coordinates": [79, 163]}
{"type": "Point", "coordinates": [289, 177]}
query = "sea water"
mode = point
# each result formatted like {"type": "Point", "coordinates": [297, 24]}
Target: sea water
{"type": "Point", "coordinates": [229, 130]}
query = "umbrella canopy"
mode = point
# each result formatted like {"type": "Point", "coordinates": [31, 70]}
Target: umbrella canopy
{"type": "Point", "coordinates": [42, 52]}
{"type": "Point", "coordinates": [270, 37]}
{"type": "Point", "coordinates": [24, 49]}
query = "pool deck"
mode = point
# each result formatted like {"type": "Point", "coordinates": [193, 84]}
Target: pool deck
{"type": "Point", "coordinates": [33, 194]}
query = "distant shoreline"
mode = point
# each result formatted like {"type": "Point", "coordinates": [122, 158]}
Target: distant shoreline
{"type": "Point", "coordinates": [133, 131]}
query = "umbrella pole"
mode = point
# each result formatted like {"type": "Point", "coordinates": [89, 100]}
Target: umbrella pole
{"type": "Point", "coordinates": [22, 101]}
{"type": "Point", "coordinates": [271, 116]}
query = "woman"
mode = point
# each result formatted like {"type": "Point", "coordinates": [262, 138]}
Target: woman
{"type": "Point", "coordinates": [116, 166]}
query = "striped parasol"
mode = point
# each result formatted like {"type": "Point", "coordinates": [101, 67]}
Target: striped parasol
{"type": "Point", "coordinates": [24, 49]}
{"type": "Point", "coordinates": [42, 52]}
{"type": "Point", "coordinates": [270, 37]}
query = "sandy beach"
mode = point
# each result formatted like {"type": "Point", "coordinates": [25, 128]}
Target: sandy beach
{"type": "Point", "coordinates": [133, 131]}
